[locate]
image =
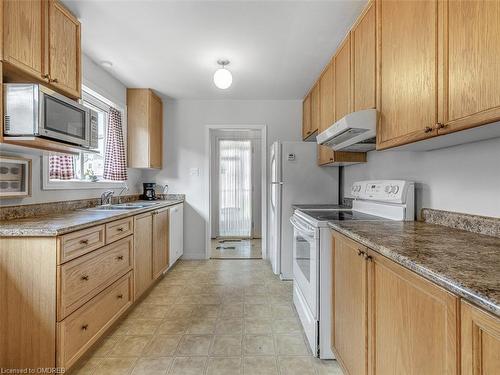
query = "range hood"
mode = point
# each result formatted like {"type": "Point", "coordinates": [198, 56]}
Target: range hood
{"type": "Point", "coordinates": [355, 132]}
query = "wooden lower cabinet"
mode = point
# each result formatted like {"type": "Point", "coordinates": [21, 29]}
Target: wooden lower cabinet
{"type": "Point", "coordinates": [412, 322]}
{"type": "Point", "coordinates": [160, 241]}
{"type": "Point", "coordinates": [480, 341]}
{"type": "Point", "coordinates": [387, 319]}
{"type": "Point", "coordinates": [143, 253]}
{"type": "Point", "coordinates": [349, 298]}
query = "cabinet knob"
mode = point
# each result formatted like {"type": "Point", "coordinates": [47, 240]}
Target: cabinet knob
{"type": "Point", "coordinates": [309, 132]}
{"type": "Point", "coordinates": [84, 327]}
{"type": "Point", "coordinates": [368, 257]}
{"type": "Point", "coordinates": [46, 76]}
{"type": "Point", "coordinates": [428, 129]}
{"type": "Point", "coordinates": [440, 125]}
{"type": "Point", "coordinates": [53, 80]}
{"type": "Point", "coordinates": [119, 257]}
{"type": "Point", "coordinates": [84, 242]}
{"type": "Point", "coordinates": [119, 296]}
{"type": "Point", "coordinates": [360, 252]}
{"type": "Point", "coordinates": [121, 229]}
{"type": "Point", "coordinates": [85, 278]}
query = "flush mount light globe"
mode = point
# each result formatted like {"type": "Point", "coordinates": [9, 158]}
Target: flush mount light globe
{"type": "Point", "coordinates": [223, 77]}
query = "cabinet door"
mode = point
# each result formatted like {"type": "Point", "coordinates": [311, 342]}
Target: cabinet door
{"type": "Point", "coordinates": [407, 71]}
{"type": "Point", "coordinates": [349, 305]}
{"type": "Point", "coordinates": [306, 117]}
{"type": "Point", "coordinates": [24, 36]}
{"type": "Point", "coordinates": [472, 69]}
{"type": "Point", "coordinates": [143, 253]}
{"type": "Point", "coordinates": [326, 98]}
{"type": "Point", "coordinates": [155, 131]}
{"type": "Point", "coordinates": [160, 241]}
{"type": "Point", "coordinates": [412, 322]}
{"type": "Point", "coordinates": [64, 50]}
{"type": "Point", "coordinates": [480, 341]}
{"type": "Point", "coordinates": [342, 78]}
{"type": "Point", "coordinates": [363, 48]}
{"type": "Point", "coordinates": [315, 108]}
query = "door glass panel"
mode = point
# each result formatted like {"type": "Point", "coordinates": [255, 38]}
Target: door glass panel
{"type": "Point", "coordinates": [64, 119]}
{"type": "Point", "coordinates": [235, 188]}
{"type": "Point", "coordinates": [303, 255]}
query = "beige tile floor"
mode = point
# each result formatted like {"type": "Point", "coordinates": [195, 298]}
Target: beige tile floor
{"type": "Point", "coordinates": [243, 249]}
{"type": "Point", "coordinates": [212, 317]}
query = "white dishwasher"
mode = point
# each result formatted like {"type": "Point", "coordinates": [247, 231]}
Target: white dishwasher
{"type": "Point", "coordinates": [176, 233]}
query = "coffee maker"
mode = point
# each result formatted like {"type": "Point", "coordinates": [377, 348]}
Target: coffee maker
{"type": "Point", "coordinates": [149, 193]}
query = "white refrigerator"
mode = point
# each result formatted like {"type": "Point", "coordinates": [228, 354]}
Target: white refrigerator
{"type": "Point", "coordinates": [295, 179]}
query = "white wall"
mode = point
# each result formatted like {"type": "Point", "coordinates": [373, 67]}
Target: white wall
{"type": "Point", "coordinates": [185, 149]}
{"type": "Point", "coordinates": [463, 178]}
{"type": "Point", "coordinates": [102, 82]}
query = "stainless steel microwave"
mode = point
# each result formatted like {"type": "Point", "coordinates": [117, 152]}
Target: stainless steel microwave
{"type": "Point", "coordinates": [34, 110]}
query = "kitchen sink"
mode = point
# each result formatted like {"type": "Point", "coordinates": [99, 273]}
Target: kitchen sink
{"type": "Point", "coordinates": [123, 206]}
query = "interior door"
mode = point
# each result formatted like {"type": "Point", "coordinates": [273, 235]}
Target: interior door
{"type": "Point", "coordinates": [235, 188]}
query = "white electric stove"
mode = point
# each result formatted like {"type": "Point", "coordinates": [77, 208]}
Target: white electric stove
{"type": "Point", "coordinates": [373, 200]}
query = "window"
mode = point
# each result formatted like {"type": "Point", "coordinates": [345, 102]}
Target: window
{"type": "Point", "coordinates": [84, 170]}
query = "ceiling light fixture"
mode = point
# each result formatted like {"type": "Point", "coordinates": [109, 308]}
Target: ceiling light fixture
{"type": "Point", "coordinates": [223, 77]}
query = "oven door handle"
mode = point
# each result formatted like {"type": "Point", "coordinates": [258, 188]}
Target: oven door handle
{"type": "Point", "coordinates": [301, 228]}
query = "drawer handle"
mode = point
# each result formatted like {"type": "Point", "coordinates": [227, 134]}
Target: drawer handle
{"type": "Point", "coordinates": [84, 242]}
{"type": "Point", "coordinates": [85, 278]}
{"type": "Point", "coordinates": [361, 252]}
{"type": "Point", "coordinates": [119, 257]}
{"type": "Point", "coordinates": [84, 327]}
{"type": "Point", "coordinates": [119, 296]}
{"type": "Point", "coordinates": [368, 257]}
{"type": "Point", "coordinates": [440, 125]}
{"type": "Point", "coordinates": [428, 129]}
{"type": "Point", "coordinates": [54, 80]}
{"type": "Point", "coordinates": [120, 229]}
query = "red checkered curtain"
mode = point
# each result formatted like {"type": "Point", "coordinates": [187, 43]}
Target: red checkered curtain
{"type": "Point", "coordinates": [115, 164]}
{"type": "Point", "coordinates": [61, 167]}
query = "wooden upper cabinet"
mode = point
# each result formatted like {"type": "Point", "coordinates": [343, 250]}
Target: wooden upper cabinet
{"type": "Point", "coordinates": [24, 35]}
{"type": "Point", "coordinates": [315, 108]}
{"type": "Point", "coordinates": [326, 98]}
{"type": "Point", "coordinates": [145, 129]}
{"type": "Point", "coordinates": [412, 322]}
{"type": "Point", "coordinates": [41, 42]}
{"type": "Point", "coordinates": [160, 242]}
{"type": "Point", "coordinates": [342, 80]}
{"type": "Point", "coordinates": [64, 50]}
{"type": "Point", "coordinates": [306, 117]}
{"type": "Point", "coordinates": [471, 74]}
{"type": "Point", "coordinates": [480, 341]}
{"type": "Point", "coordinates": [407, 71]}
{"type": "Point", "coordinates": [349, 305]}
{"type": "Point", "coordinates": [363, 64]}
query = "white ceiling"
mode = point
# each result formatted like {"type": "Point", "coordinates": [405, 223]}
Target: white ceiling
{"type": "Point", "coordinates": [276, 48]}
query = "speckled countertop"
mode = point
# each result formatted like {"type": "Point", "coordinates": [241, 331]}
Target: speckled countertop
{"type": "Point", "coordinates": [59, 223]}
{"type": "Point", "coordinates": [465, 263]}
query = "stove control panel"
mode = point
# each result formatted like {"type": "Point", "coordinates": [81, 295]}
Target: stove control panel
{"type": "Point", "coordinates": [394, 191]}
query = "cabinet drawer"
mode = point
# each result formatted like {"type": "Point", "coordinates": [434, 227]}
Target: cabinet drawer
{"type": "Point", "coordinates": [74, 244]}
{"type": "Point", "coordinates": [83, 278]}
{"type": "Point", "coordinates": [80, 330]}
{"type": "Point", "coordinates": [119, 229]}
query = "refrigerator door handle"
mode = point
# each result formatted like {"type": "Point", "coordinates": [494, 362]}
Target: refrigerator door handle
{"type": "Point", "coordinates": [276, 183]}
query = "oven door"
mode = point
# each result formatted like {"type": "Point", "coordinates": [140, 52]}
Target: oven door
{"type": "Point", "coordinates": [62, 118]}
{"type": "Point", "coordinates": [305, 257]}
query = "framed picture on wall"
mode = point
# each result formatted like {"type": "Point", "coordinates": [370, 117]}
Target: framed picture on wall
{"type": "Point", "coordinates": [15, 177]}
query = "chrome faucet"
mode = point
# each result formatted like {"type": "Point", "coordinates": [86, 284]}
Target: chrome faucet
{"type": "Point", "coordinates": [124, 190]}
{"type": "Point", "coordinates": [106, 197]}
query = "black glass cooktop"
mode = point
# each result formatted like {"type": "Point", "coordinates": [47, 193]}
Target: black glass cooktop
{"type": "Point", "coordinates": [327, 215]}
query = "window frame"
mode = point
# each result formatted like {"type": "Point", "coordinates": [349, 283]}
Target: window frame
{"type": "Point", "coordinates": [48, 184]}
